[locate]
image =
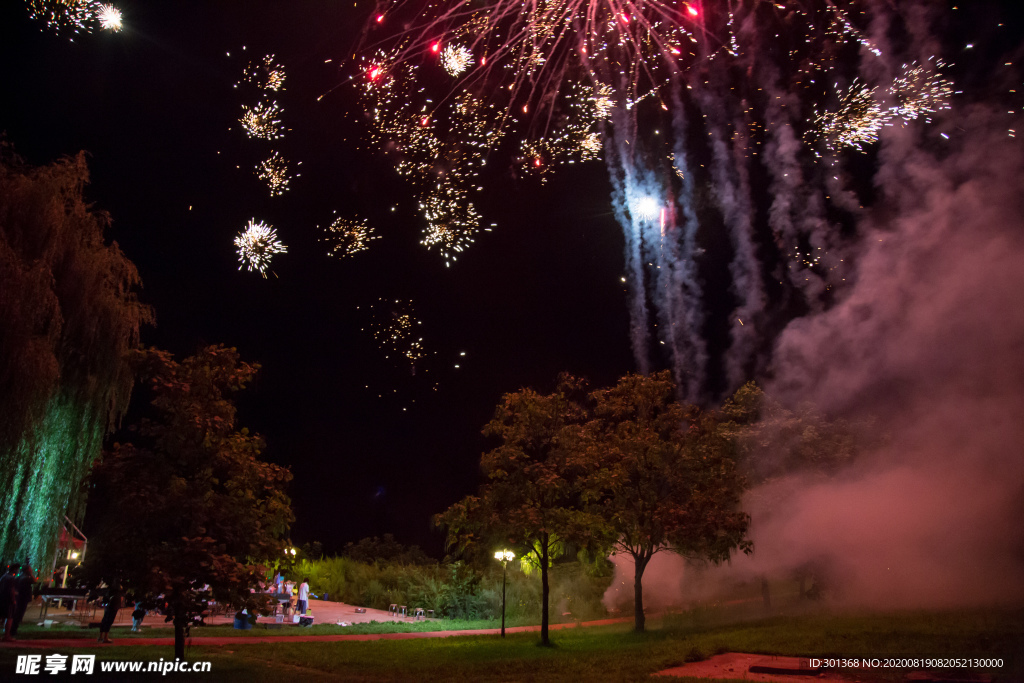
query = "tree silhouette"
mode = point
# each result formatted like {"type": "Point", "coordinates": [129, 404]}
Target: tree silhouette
{"type": "Point", "coordinates": [190, 504]}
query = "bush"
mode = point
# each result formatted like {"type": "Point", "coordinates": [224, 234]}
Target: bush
{"type": "Point", "coordinates": [455, 590]}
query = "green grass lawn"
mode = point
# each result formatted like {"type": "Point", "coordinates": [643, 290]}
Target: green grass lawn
{"type": "Point", "coordinates": [160, 630]}
{"type": "Point", "coordinates": [615, 653]}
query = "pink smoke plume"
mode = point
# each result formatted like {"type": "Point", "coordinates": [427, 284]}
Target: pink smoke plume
{"type": "Point", "coordinates": [929, 339]}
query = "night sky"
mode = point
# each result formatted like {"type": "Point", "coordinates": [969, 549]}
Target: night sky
{"type": "Point", "coordinates": [375, 448]}
{"type": "Point", "coordinates": [155, 109]}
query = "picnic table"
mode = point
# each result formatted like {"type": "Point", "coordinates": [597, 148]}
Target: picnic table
{"type": "Point", "coordinates": [72, 594]}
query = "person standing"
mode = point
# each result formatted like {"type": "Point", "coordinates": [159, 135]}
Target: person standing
{"type": "Point", "coordinates": [137, 616]}
{"type": "Point", "coordinates": [23, 590]}
{"type": "Point", "coordinates": [110, 612]}
{"type": "Point", "coordinates": [8, 599]}
{"type": "Point", "coordinates": [303, 596]}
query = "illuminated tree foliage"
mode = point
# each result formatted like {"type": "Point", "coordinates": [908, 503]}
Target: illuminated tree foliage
{"type": "Point", "coordinates": [68, 315]}
{"type": "Point", "coordinates": [664, 477]}
{"type": "Point", "coordinates": [532, 497]}
{"type": "Point", "coordinates": [189, 503]}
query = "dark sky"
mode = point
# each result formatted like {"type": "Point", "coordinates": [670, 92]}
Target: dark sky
{"type": "Point", "coordinates": [155, 108]}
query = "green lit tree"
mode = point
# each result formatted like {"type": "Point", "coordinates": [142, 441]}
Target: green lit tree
{"type": "Point", "coordinates": [68, 316]}
{"type": "Point", "coordinates": [663, 478]}
{"type": "Point", "coordinates": [531, 497]}
{"type": "Point", "coordinates": [189, 504]}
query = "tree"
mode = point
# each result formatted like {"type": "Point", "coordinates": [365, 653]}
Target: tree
{"type": "Point", "coordinates": [190, 504]}
{"type": "Point", "coordinates": [385, 551]}
{"type": "Point", "coordinates": [663, 477]}
{"type": "Point", "coordinates": [773, 441]}
{"type": "Point", "coordinates": [69, 314]}
{"type": "Point", "coordinates": [532, 497]}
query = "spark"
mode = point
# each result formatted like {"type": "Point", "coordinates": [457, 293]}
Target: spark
{"type": "Point", "coordinates": [257, 244]}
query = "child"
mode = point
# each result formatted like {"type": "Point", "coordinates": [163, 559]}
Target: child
{"type": "Point", "coordinates": [137, 616]}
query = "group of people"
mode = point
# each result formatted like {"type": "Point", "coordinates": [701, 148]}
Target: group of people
{"type": "Point", "coordinates": [15, 595]}
{"type": "Point", "coordinates": [282, 587]}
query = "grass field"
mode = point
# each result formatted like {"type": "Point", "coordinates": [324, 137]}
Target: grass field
{"type": "Point", "coordinates": [31, 631]}
{"type": "Point", "coordinates": [611, 653]}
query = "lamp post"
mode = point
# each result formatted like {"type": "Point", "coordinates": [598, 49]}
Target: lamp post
{"type": "Point", "coordinates": [503, 556]}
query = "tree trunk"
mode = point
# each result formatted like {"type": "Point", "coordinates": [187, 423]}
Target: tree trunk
{"type": "Point", "coordinates": [179, 635]}
{"type": "Point", "coordinates": [639, 565]}
{"type": "Point", "coordinates": [545, 590]}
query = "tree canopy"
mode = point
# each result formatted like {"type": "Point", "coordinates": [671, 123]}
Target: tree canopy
{"type": "Point", "coordinates": [69, 314]}
{"type": "Point", "coordinates": [189, 504]}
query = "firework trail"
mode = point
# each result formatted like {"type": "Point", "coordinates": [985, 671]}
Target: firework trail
{"type": "Point", "coordinates": [683, 296]}
{"type": "Point", "coordinates": [625, 198]}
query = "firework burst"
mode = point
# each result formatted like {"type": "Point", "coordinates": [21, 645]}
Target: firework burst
{"type": "Point", "coordinates": [267, 74]}
{"type": "Point", "coordinates": [261, 121]}
{"type": "Point", "coordinates": [109, 18]}
{"type": "Point", "coordinates": [920, 92]}
{"type": "Point", "coordinates": [274, 172]}
{"type": "Point", "coordinates": [456, 59]}
{"type": "Point", "coordinates": [257, 245]}
{"type": "Point", "coordinates": [348, 237]}
{"type": "Point", "coordinates": [855, 123]}
{"type": "Point", "coordinates": [395, 329]}
{"type": "Point", "coordinates": [61, 16]}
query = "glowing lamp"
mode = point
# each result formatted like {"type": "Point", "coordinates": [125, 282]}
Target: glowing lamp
{"type": "Point", "coordinates": [74, 556]}
{"type": "Point", "coordinates": [503, 556]}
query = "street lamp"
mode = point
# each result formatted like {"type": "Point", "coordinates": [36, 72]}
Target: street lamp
{"type": "Point", "coordinates": [503, 556]}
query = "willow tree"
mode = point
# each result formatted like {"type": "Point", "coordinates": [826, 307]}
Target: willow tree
{"type": "Point", "coordinates": [68, 315]}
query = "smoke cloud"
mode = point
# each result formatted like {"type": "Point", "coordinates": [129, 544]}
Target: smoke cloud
{"type": "Point", "coordinates": [929, 340]}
